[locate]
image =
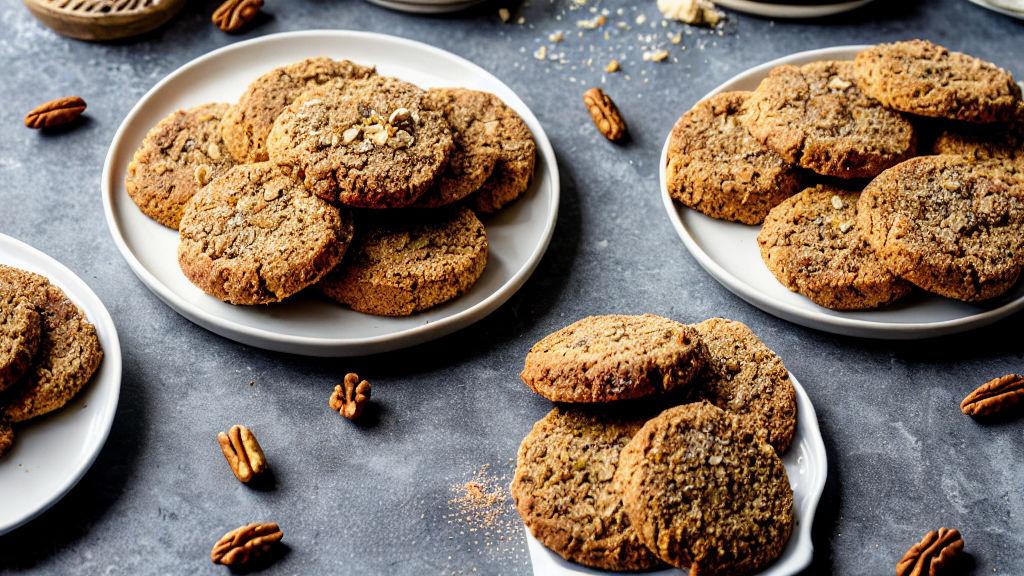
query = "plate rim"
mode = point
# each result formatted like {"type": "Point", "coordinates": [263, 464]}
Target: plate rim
{"type": "Point", "coordinates": [320, 346]}
{"type": "Point", "coordinates": [792, 11]}
{"type": "Point", "coordinates": [78, 291]}
{"type": "Point", "coordinates": [808, 317]}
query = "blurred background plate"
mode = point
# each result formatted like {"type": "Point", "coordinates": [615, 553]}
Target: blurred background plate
{"type": "Point", "coordinates": [793, 10]}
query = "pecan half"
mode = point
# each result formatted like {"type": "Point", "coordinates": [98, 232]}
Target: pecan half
{"type": "Point", "coordinates": [245, 543]}
{"type": "Point", "coordinates": [55, 112]}
{"type": "Point", "coordinates": [350, 397]}
{"type": "Point", "coordinates": [242, 452]}
{"type": "Point", "coordinates": [929, 556]}
{"type": "Point", "coordinates": [995, 396]}
{"type": "Point", "coordinates": [233, 15]}
{"type": "Point", "coordinates": [605, 114]}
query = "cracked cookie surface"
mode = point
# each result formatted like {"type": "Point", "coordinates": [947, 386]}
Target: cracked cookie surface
{"type": "Point", "coordinates": [815, 116]}
{"type": "Point", "coordinates": [19, 336]}
{"type": "Point", "coordinates": [370, 143]}
{"type": "Point", "coordinates": [614, 357]}
{"type": "Point", "coordinates": [716, 167]}
{"type": "Point", "coordinates": [811, 245]}
{"type": "Point", "coordinates": [256, 236]}
{"type": "Point", "coordinates": [986, 141]}
{"type": "Point", "coordinates": [922, 78]}
{"type": "Point", "coordinates": [402, 264]}
{"type": "Point", "coordinates": [949, 224]}
{"type": "Point", "coordinates": [178, 156]}
{"type": "Point", "coordinates": [563, 488]}
{"type": "Point", "coordinates": [517, 160]}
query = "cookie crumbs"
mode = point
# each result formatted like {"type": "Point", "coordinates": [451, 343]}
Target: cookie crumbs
{"type": "Point", "coordinates": [504, 14]}
{"type": "Point", "coordinates": [482, 509]}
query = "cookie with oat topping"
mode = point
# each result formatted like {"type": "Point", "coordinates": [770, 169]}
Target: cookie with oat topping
{"type": "Point", "coordinates": [178, 156]}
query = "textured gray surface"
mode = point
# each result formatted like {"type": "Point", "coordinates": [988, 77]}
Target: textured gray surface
{"type": "Point", "coordinates": [375, 499]}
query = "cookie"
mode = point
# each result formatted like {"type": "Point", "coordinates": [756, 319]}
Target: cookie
{"type": "Point", "coordinates": [816, 117]}
{"type": "Point", "coordinates": [717, 168]}
{"type": "Point", "coordinates": [247, 123]}
{"type": "Point", "coordinates": [400, 265]}
{"type": "Point", "coordinates": [811, 245]}
{"type": "Point", "coordinates": [178, 156]}
{"type": "Point", "coordinates": [472, 117]}
{"type": "Point", "coordinates": [705, 491]}
{"type": "Point", "coordinates": [922, 78]}
{"type": "Point", "coordinates": [68, 354]}
{"type": "Point", "coordinates": [986, 141]}
{"type": "Point", "coordinates": [6, 435]}
{"type": "Point", "coordinates": [742, 375]}
{"type": "Point", "coordinates": [370, 143]}
{"type": "Point", "coordinates": [563, 489]}
{"type": "Point", "coordinates": [255, 236]}
{"type": "Point", "coordinates": [615, 357]}
{"type": "Point", "coordinates": [949, 224]}
{"type": "Point", "coordinates": [517, 159]}
{"type": "Point", "coordinates": [19, 336]}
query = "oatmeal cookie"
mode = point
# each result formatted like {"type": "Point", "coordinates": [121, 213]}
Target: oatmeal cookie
{"type": "Point", "coordinates": [68, 354]}
{"type": "Point", "coordinates": [615, 357]}
{"type": "Point", "coordinates": [985, 141]}
{"type": "Point", "coordinates": [563, 488]}
{"type": "Point", "coordinates": [247, 123]}
{"type": "Point", "coordinates": [922, 78]}
{"type": "Point", "coordinates": [705, 491]}
{"type": "Point", "coordinates": [6, 435]}
{"type": "Point", "coordinates": [717, 168]}
{"type": "Point", "coordinates": [949, 224]}
{"type": "Point", "coordinates": [400, 265]}
{"type": "Point", "coordinates": [256, 236]}
{"type": "Point", "coordinates": [180, 155]}
{"type": "Point", "coordinates": [816, 117]}
{"type": "Point", "coordinates": [810, 243]}
{"type": "Point", "coordinates": [371, 143]}
{"type": "Point", "coordinates": [517, 159]}
{"type": "Point", "coordinates": [19, 336]}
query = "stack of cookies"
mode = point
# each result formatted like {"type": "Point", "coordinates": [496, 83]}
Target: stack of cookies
{"type": "Point", "coordinates": [663, 448]}
{"type": "Point", "coordinates": [325, 173]}
{"type": "Point", "coordinates": [826, 157]}
{"type": "Point", "coordinates": [48, 349]}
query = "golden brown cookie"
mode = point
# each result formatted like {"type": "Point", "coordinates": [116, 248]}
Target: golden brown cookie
{"type": "Point", "coordinates": [471, 114]}
{"type": "Point", "coordinates": [949, 224]}
{"type": "Point", "coordinates": [179, 155]}
{"type": "Point", "coordinates": [371, 143]}
{"type": "Point", "coordinates": [986, 141]}
{"type": "Point", "coordinates": [717, 168]}
{"type": "Point", "coordinates": [922, 78]}
{"type": "Point", "coordinates": [517, 159]}
{"type": "Point", "coordinates": [563, 488]}
{"type": "Point", "coordinates": [247, 123]}
{"type": "Point", "coordinates": [19, 336]}
{"type": "Point", "coordinates": [69, 350]}
{"type": "Point", "coordinates": [255, 236]}
{"type": "Point", "coordinates": [810, 243]}
{"type": "Point", "coordinates": [705, 491]}
{"type": "Point", "coordinates": [6, 435]}
{"type": "Point", "coordinates": [816, 117]}
{"type": "Point", "coordinates": [742, 375]}
{"type": "Point", "coordinates": [614, 357]}
{"type": "Point", "coordinates": [400, 265]}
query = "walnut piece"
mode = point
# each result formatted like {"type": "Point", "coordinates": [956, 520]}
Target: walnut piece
{"type": "Point", "coordinates": [605, 114]}
{"type": "Point", "coordinates": [998, 395]}
{"type": "Point", "coordinates": [245, 543]}
{"type": "Point", "coordinates": [55, 112]}
{"type": "Point", "coordinates": [350, 397]}
{"type": "Point", "coordinates": [929, 556]}
{"type": "Point", "coordinates": [243, 452]}
{"type": "Point", "coordinates": [233, 15]}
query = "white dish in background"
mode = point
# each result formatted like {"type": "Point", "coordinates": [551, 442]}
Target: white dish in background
{"type": "Point", "coordinates": [1007, 10]}
{"type": "Point", "coordinates": [418, 7]}
{"type": "Point", "coordinates": [307, 324]}
{"type": "Point", "coordinates": [777, 10]}
{"type": "Point", "coordinates": [807, 468]}
{"type": "Point", "coordinates": [729, 252]}
{"type": "Point", "coordinates": [52, 453]}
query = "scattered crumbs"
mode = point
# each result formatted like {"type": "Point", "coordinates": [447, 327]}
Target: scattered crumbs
{"type": "Point", "coordinates": [541, 53]}
{"type": "Point", "coordinates": [613, 66]}
{"type": "Point", "coordinates": [593, 23]}
{"type": "Point", "coordinates": [557, 36]}
{"type": "Point", "coordinates": [482, 511]}
{"type": "Point", "coordinates": [521, 20]}
{"type": "Point", "coordinates": [640, 19]}
{"type": "Point", "coordinates": [504, 14]}
{"type": "Point", "coordinates": [655, 56]}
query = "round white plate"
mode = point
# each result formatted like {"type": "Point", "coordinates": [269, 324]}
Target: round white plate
{"type": "Point", "coordinates": [1008, 9]}
{"type": "Point", "coordinates": [307, 324]}
{"type": "Point", "coordinates": [807, 468]}
{"type": "Point", "coordinates": [52, 453]}
{"type": "Point", "coordinates": [776, 10]}
{"type": "Point", "coordinates": [429, 7]}
{"type": "Point", "coordinates": [729, 252]}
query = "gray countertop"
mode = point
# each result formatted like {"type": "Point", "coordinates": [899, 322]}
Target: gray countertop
{"type": "Point", "coordinates": [377, 498]}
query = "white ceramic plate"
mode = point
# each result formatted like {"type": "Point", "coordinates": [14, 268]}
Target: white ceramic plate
{"type": "Point", "coordinates": [52, 453]}
{"type": "Point", "coordinates": [807, 468]}
{"type": "Point", "coordinates": [1007, 9]}
{"type": "Point", "coordinates": [425, 7]}
{"type": "Point", "coordinates": [729, 252]}
{"type": "Point", "coordinates": [307, 324]}
{"type": "Point", "coordinates": [779, 10]}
